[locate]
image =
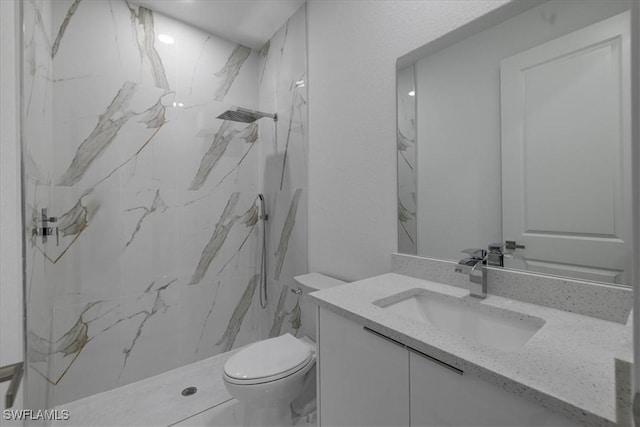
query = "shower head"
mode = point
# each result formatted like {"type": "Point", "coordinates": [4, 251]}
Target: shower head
{"type": "Point", "coordinates": [243, 115]}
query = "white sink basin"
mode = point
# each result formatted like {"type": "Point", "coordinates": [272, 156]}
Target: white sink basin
{"type": "Point", "coordinates": [495, 327]}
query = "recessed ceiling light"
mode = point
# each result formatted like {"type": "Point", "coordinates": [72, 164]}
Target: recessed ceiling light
{"type": "Point", "coordinates": [165, 38]}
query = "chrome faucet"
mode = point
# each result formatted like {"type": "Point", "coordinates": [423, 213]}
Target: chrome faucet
{"type": "Point", "coordinates": [475, 265]}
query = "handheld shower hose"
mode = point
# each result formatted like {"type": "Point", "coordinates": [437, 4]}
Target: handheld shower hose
{"type": "Point", "coordinates": [263, 258]}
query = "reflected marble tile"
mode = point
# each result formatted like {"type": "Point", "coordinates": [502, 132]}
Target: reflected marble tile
{"type": "Point", "coordinates": [403, 144]}
{"type": "Point", "coordinates": [404, 216]}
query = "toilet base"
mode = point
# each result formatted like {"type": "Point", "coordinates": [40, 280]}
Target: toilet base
{"type": "Point", "coordinates": [274, 415]}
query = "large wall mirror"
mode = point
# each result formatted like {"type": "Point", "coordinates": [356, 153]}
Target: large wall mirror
{"type": "Point", "coordinates": [520, 130]}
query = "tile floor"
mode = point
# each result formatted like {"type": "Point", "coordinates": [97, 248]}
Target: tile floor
{"type": "Point", "coordinates": [157, 401]}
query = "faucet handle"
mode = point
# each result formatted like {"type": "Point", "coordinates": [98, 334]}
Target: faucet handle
{"type": "Point", "coordinates": [495, 247]}
{"type": "Point", "coordinates": [475, 253]}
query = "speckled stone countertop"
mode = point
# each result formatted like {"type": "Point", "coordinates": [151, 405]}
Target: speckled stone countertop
{"type": "Point", "coordinates": [567, 366]}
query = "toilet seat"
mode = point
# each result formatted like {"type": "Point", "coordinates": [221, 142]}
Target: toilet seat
{"type": "Point", "coordinates": [267, 361]}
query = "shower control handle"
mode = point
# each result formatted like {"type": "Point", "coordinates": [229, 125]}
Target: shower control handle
{"type": "Point", "coordinates": [43, 229]}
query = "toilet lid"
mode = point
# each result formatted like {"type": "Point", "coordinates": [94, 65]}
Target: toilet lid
{"type": "Point", "coordinates": [268, 360]}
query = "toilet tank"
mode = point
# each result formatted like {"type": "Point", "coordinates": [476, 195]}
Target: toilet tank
{"type": "Point", "coordinates": [310, 283]}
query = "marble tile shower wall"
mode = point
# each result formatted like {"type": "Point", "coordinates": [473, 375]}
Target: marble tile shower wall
{"type": "Point", "coordinates": [283, 88]}
{"type": "Point", "coordinates": [156, 259]}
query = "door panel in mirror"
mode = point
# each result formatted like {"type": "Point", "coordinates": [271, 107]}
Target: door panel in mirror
{"type": "Point", "coordinates": [566, 182]}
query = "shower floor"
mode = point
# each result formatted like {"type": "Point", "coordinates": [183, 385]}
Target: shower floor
{"type": "Point", "coordinates": [157, 401]}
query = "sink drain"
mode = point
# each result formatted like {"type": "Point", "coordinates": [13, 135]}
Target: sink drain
{"type": "Point", "coordinates": [189, 391]}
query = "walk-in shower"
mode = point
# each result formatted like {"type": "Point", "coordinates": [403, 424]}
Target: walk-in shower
{"type": "Point", "coordinates": [163, 240]}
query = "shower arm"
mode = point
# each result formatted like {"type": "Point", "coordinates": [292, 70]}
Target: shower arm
{"type": "Point", "coordinates": [273, 116]}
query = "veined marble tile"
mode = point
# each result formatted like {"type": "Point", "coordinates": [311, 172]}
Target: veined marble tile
{"type": "Point", "coordinates": [280, 313]}
{"type": "Point", "coordinates": [229, 336]}
{"type": "Point", "coordinates": [142, 20]}
{"type": "Point", "coordinates": [283, 84]}
{"type": "Point", "coordinates": [231, 69]}
{"type": "Point", "coordinates": [157, 204]}
{"type": "Point", "coordinates": [218, 310]}
{"type": "Point", "coordinates": [161, 309]}
{"type": "Point", "coordinates": [217, 239]}
{"type": "Point", "coordinates": [264, 56]}
{"type": "Point", "coordinates": [226, 133]}
{"type": "Point", "coordinates": [287, 229]}
{"type": "Point", "coordinates": [63, 27]}
{"type": "Point", "coordinates": [132, 130]}
{"type": "Point", "coordinates": [74, 220]}
{"type": "Point", "coordinates": [53, 356]}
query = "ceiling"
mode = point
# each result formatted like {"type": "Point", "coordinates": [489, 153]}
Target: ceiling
{"type": "Point", "coordinates": [248, 22]}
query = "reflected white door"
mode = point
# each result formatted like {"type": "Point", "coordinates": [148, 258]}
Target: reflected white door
{"type": "Point", "coordinates": [566, 164]}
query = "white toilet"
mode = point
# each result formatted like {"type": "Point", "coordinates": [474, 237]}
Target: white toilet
{"type": "Point", "coordinates": [267, 376]}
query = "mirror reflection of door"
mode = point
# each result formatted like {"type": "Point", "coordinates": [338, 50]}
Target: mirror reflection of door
{"type": "Point", "coordinates": [566, 164]}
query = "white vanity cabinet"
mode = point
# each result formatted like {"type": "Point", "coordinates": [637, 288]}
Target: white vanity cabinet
{"type": "Point", "coordinates": [440, 396]}
{"type": "Point", "coordinates": [365, 379]}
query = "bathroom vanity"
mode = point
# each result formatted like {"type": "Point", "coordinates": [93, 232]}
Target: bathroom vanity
{"type": "Point", "coordinates": [517, 364]}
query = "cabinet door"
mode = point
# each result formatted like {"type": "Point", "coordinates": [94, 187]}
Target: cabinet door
{"type": "Point", "coordinates": [442, 397]}
{"type": "Point", "coordinates": [364, 379]}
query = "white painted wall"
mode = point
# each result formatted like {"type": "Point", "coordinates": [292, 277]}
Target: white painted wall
{"type": "Point", "coordinates": [353, 47]}
{"type": "Point", "coordinates": [10, 245]}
